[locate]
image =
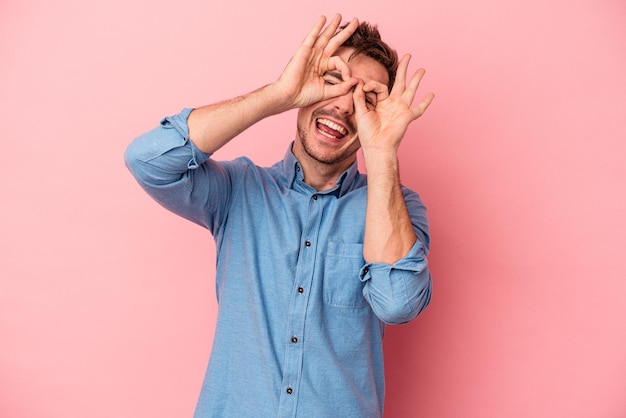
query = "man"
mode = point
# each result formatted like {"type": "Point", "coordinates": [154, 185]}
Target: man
{"type": "Point", "coordinates": [313, 258]}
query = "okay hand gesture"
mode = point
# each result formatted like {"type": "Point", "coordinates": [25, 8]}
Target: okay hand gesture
{"type": "Point", "coordinates": [382, 126]}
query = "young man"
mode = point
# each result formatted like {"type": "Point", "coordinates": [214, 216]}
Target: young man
{"type": "Point", "coordinates": [313, 258]}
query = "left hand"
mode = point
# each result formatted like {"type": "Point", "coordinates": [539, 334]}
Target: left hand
{"type": "Point", "coordinates": [382, 126]}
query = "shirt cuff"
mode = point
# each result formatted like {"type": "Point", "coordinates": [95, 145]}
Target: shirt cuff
{"type": "Point", "coordinates": [398, 292]}
{"type": "Point", "coordinates": [179, 122]}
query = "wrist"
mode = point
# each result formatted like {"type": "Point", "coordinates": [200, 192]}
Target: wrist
{"type": "Point", "coordinates": [279, 97]}
{"type": "Point", "coordinates": [385, 156]}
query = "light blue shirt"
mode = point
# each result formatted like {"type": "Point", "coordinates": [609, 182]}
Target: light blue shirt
{"type": "Point", "coordinates": [301, 315]}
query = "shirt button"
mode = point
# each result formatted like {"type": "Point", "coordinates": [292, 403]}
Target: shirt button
{"type": "Point", "coordinates": [294, 339]}
{"type": "Point", "coordinates": [301, 289]}
{"type": "Point", "coordinates": [307, 243]}
{"type": "Point", "coordinates": [365, 270]}
{"type": "Point", "coordinates": [289, 391]}
{"type": "Point", "coordinates": [314, 197]}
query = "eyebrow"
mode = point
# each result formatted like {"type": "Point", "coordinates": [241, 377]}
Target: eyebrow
{"type": "Point", "coordinates": [335, 74]}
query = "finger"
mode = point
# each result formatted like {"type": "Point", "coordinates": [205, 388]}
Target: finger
{"type": "Point", "coordinates": [411, 90]}
{"type": "Point", "coordinates": [337, 64]}
{"type": "Point", "coordinates": [400, 84]}
{"type": "Point", "coordinates": [328, 32]}
{"type": "Point", "coordinates": [358, 97]}
{"type": "Point", "coordinates": [339, 89]}
{"type": "Point", "coordinates": [338, 39]}
{"type": "Point", "coordinates": [343, 83]}
{"type": "Point", "coordinates": [381, 90]}
{"type": "Point", "coordinates": [416, 79]}
{"type": "Point", "coordinates": [338, 78]}
{"type": "Point", "coordinates": [312, 36]}
{"type": "Point", "coordinates": [421, 108]}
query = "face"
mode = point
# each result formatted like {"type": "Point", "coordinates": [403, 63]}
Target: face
{"type": "Point", "coordinates": [327, 131]}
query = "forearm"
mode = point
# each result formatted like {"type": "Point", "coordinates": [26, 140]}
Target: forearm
{"type": "Point", "coordinates": [389, 233]}
{"type": "Point", "coordinates": [212, 126]}
{"type": "Point", "coordinates": [300, 84]}
{"type": "Point", "coordinates": [398, 283]}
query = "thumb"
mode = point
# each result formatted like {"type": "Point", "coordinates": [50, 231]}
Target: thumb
{"type": "Point", "coordinates": [339, 89]}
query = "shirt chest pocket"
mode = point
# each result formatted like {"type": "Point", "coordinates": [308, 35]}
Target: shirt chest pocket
{"type": "Point", "coordinates": [341, 284]}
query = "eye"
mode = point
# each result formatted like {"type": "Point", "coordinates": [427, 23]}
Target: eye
{"type": "Point", "coordinates": [332, 78]}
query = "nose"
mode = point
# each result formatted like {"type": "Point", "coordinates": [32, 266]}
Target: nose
{"type": "Point", "coordinates": [344, 104]}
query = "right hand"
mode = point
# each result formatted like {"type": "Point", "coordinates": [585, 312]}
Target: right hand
{"type": "Point", "coordinates": [302, 82]}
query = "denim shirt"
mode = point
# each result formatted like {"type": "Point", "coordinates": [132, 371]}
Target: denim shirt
{"type": "Point", "coordinates": [301, 315]}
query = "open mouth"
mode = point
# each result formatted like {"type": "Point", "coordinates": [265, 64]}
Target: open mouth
{"type": "Point", "coordinates": [330, 129]}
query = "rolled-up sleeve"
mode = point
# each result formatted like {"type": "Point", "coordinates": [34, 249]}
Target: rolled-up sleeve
{"type": "Point", "coordinates": [398, 292]}
{"type": "Point", "coordinates": [171, 169]}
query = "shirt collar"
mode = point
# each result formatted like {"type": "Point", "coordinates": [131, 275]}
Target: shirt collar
{"type": "Point", "coordinates": [294, 174]}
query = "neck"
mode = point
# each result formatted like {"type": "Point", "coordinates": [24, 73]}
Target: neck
{"type": "Point", "coordinates": [320, 181]}
{"type": "Point", "coordinates": [320, 176]}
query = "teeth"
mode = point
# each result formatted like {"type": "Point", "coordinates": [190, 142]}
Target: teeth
{"type": "Point", "coordinates": [333, 125]}
{"type": "Point", "coordinates": [328, 135]}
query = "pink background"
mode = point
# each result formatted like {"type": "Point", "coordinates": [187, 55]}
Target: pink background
{"type": "Point", "coordinates": [107, 301]}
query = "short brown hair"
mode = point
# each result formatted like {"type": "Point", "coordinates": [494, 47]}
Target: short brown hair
{"type": "Point", "coordinates": [366, 41]}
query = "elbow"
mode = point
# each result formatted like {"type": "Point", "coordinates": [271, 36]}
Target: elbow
{"type": "Point", "coordinates": [420, 300]}
{"type": "Point", "coordinates": [131, 158]}
{"type": "Point", "coordinates": [135, 159]}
